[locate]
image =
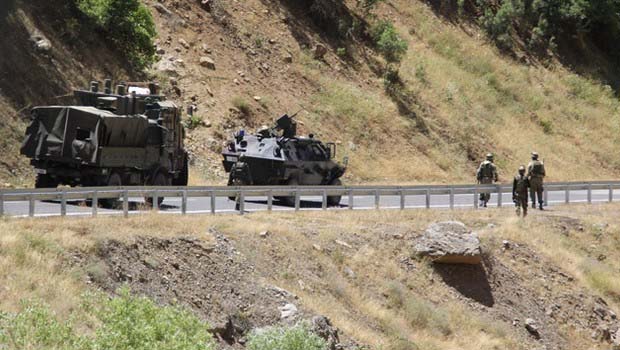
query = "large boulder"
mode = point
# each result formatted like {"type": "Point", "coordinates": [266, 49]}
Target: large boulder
{"type": "Point", "coordinates": [449, 242]}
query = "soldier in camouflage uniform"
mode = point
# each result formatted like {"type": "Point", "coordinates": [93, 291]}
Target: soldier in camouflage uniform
{"type": "Point", "coordinates": [486, 174]}
{"type": "Point", "coordinates": [535, 174]}
{"type": "Point", "coordinates": [520, 185]}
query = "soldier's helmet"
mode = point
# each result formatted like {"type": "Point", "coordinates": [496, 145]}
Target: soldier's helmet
{"type": "Point", "coordinates": [534, 155]}
{"type": "Point", "coordinates": [521, 170]}
{"type": "Point", "coordinates": [490, 156]}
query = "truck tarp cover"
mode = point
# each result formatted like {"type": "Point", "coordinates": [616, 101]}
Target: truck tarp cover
{"type": "Point", "coordinates": [73, 134]}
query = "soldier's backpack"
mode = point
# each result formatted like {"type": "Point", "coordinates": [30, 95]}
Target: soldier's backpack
{"type": "Point", "coordinates": [486, 169]}
{"type": "Point", "coordinates": [537, 168]}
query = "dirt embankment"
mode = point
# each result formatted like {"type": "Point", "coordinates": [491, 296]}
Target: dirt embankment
{"type": "Point", "coordinates": [232, 283]}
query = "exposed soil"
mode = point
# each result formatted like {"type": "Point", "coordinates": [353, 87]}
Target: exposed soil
{"type": "Point", "coordinates": [211, 278]}
{"type": "Point", "coordinates": [546, 294]}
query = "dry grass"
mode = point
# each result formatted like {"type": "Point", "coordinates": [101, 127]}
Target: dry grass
{"type": "Point", "coordinates": [383, 305]}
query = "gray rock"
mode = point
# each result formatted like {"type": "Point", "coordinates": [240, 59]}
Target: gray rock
{"type": "Point", "coordinates": [349, 272]}
{"type": "Point", "coordinates": [184, 43]}
{"type": "Point", "coordinates": [41, 43]}
{"type": "Point", "coordinates": [168, 67]}
{"type": "Point", "coordinates": [288, 58]}
{"type": "Point", "coordinates": [322, 327]}
{"type": "Point", "coordinates": [207, 62]}
{"type": "Point", "coordinates": [288, 312]}
{"type": "Point", "coordinates": [449, 242]}
{"type": "Point", "coordinates": [162, 9]}
{"type": "Point", "coordinates": [532, 327]}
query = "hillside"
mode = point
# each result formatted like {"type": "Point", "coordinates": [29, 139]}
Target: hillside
{"type": "Point", "coordinates": [357, 269]}
{"type": "Point", "coordinates": [458, 96]}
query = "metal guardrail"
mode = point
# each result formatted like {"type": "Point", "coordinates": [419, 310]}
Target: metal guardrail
{"type": "Point", "coordinates": [122, 194]}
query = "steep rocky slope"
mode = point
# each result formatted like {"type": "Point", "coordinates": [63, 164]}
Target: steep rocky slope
{"type": "Point", "coordinates": [458, 96]}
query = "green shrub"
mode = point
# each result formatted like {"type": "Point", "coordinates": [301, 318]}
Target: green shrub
{"type": "Point", "coordinates": [298, 337]}
{"type": "Point", "coordinates": [388, 42]}
{"type": "Point", "coordinates": [137, 323]}
{"type": "Point", "coordinates": [36, 327]}
{"type": "Point", "coordinates": [124, 322]}
{"type": "Point", "coordinates": [243, 106]}
{"type": "Point", "coordinates": [128, 24]}
{"type": "Point", "coordinates": [193, 122]}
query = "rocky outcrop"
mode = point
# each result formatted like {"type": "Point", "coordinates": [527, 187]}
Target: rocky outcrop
{"type": "Point", "coordinates": [449, 242]}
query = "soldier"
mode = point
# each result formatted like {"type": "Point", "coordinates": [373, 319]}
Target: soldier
{"type": "Point", "coordinates": [520, 185]}
{"type": "Point", "coordinates": [486, 174]}
{"type": "Point", "coordinates": [535, 174]}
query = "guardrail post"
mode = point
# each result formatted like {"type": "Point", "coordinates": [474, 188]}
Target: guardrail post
{"type": "Point", "coordinates": [184, 202]}
{"type": "Point", "coordinates": [1, 204]}
{"type": "Point", "coordinates": [545, 197]}
{"type": "Point", "coordinates": [567, 194]}
{"type": "Point", "coordinates": [476, 197]}
{"type": "Point", "coordinates": [63, 203]}
{"type": "Point", "coordinates": [297, 199]}
{"type": "Point", "coordinates": [212, 202]}
{"type": "Point", "coordinates": [589, 194]}
{"type": "Point", "coordinates": [611, 195]}
{"type": "Point", "coordinates": [241, 199]}
{"type": "Point", "coordinates": [499, 196]}
{"type": "Point", "coordinates": [31, 205]}
{"type": "Point", "coordinates": [156, 200]}
{"type": "Point", "coordinates": [402, 200]}
{"type": "Point", "coordinates": [270, 201]}
{"type": "Point", "coordinates": [126, 203]}
{"type": "Point", "coordinates": [94, 202]}
{"type": "Point", "coordinates": [428, 198]}
{"type": "Point", "coordinates": [451, 198]}
{"type": "Point", "coordinates": [350, 199]}
{"type": "Point", "coordinates": [324, 200]}
{"type": "Point", "coordinates": [377, 199]}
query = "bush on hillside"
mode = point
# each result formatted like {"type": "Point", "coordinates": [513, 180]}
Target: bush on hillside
{"type": "Point", "coordinates": [298, 337]}
{"type": "Point", "coordinates": [387, 40]}
{"type": "Point", "coordinates": [124, 322]}
{"type": "Point", "coordinates": [128, 24]}
{"type": "Point", "coordinates": [542, 23]}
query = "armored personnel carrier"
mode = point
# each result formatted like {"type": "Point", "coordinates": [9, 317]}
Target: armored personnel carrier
{"type": "Point", "coordinates": [132, 136]}
{"type": "Point", "coordinates": [277, 156]}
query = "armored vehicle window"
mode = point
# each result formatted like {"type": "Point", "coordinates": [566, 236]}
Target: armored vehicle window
{"type": "Point", "coordinates": [318, 153]}
{"type": "Point", "coordinates": [82, 134]}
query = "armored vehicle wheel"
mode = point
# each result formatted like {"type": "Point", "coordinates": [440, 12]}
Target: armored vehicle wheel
{"type": "Point", "coordinates": [115, 180]}
{"type": "Point", "coordinates": [159, 180]}
{"type": "Point", "coordinates": [45, 181]}
{"type": "Point", "coordinates": [333, 201]}
{"type": "Point", "coordinates": [289, 200]}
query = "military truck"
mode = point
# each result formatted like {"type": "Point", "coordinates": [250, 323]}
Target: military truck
{"type": "Point", "coordinates": [132, 136]}
{"type": "Point", "coordinates": [277, 156]}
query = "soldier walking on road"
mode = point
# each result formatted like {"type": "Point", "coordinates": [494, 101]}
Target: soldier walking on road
{"type": "Point", "coordinates": [520, 186]}
{"type": "Point", "coordinates": [535, 174]}
{"type": "Point", "coordinates": [486, 174]}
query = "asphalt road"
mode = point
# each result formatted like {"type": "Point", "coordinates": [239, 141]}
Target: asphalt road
{"type": "Point", "coordinates": [253, 204]}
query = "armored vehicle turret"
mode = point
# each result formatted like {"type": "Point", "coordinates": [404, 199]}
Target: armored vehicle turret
{"type": "Point", "coordinates": [131, 136]}
{"type": "Point", "coordinates": [277, 156]}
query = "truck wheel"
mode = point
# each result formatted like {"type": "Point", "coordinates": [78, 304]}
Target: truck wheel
{"type": "Point", "coordinates": [159, 180]}
{"type": "Point", "coordinates": [333, 201]}
{"type": "Point", "coordinates": [45, 181]}
{"type": "Point", "coordinates": [115, 180]}
{"type": "Point", "coordinates": [183, 178]}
